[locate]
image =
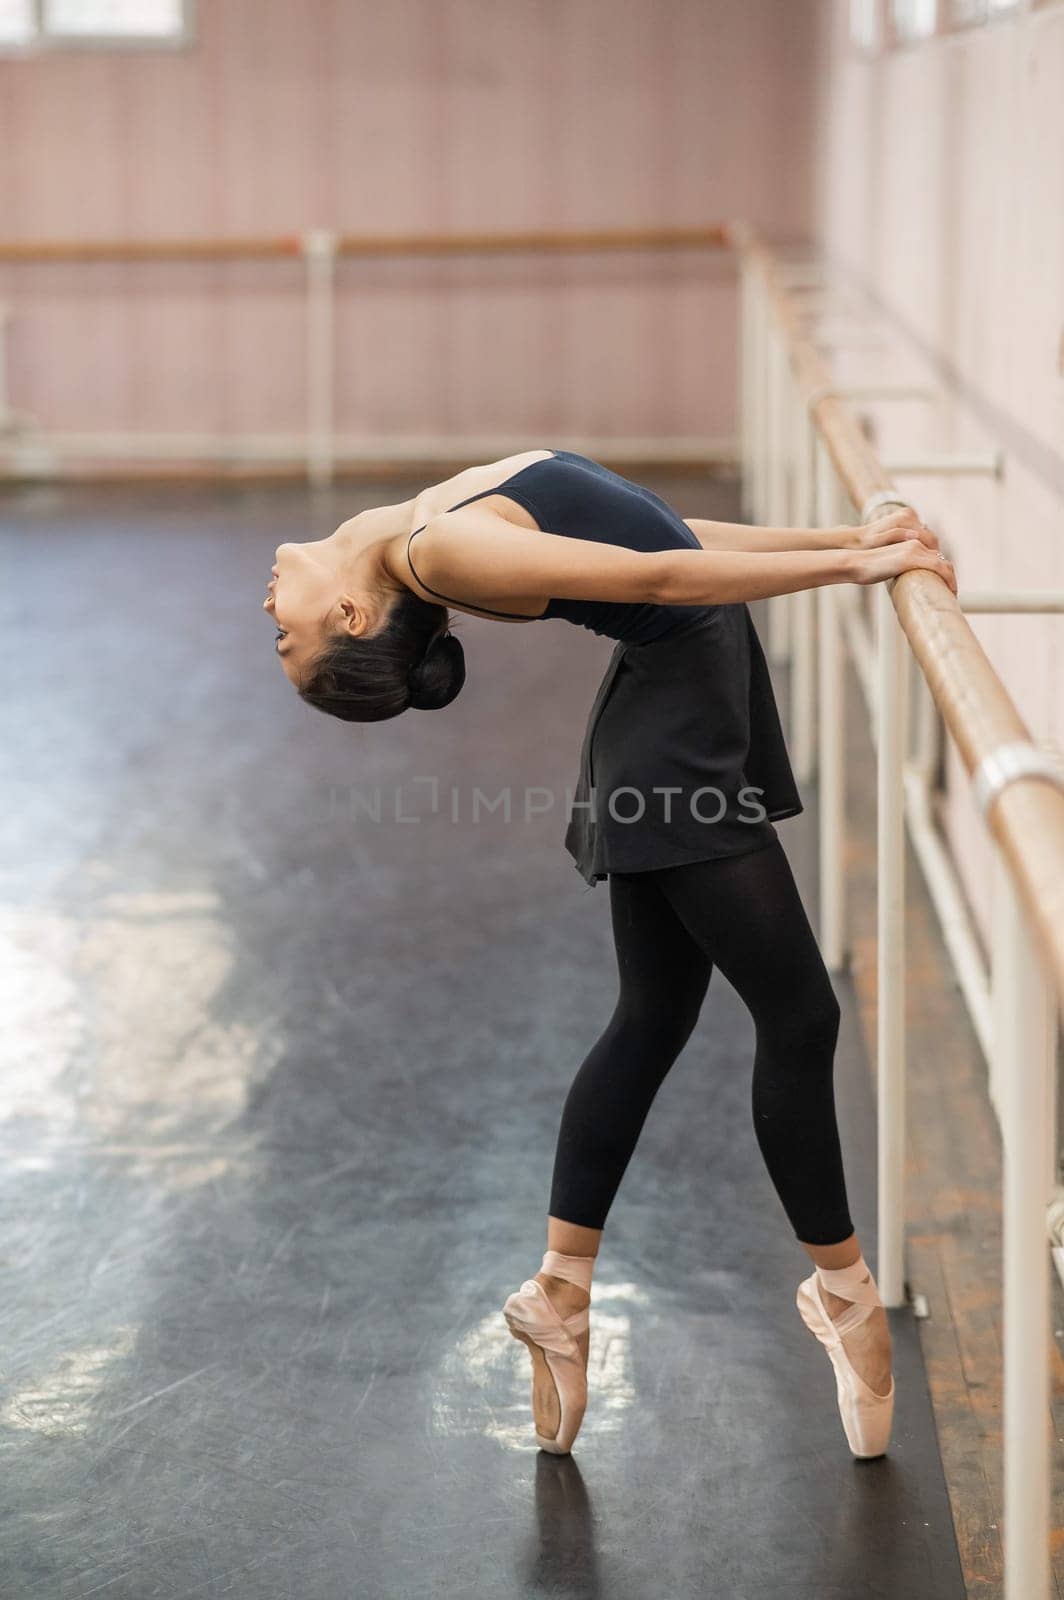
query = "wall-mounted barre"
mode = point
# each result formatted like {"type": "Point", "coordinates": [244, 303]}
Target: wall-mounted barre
{"type": "Point", "coordinates": [803, 447]}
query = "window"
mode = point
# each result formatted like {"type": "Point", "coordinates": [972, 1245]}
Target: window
{"type": "Point", "coordinates": [963, 12]}
{"type": "Point", "coordinates": [864, 24]}
{"type": "Point", "coordinates": [33, 24]}
{"type": "Point", "coordinates": [16, 21]}
{"type": "Point", "coordinates": [914, 19]}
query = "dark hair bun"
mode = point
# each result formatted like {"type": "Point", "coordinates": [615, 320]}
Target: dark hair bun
{"type": "Point", "coordinates": [436, 679]}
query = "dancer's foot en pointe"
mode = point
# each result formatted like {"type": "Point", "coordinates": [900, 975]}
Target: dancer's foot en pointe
{"type": "Point", "coordinates": [549, 1314]}
{"type": "Point", "coordinates": [842, 1307]}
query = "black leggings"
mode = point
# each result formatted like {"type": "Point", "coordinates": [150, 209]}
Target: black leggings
{"type": "Point", "coordinates": [670, 926]}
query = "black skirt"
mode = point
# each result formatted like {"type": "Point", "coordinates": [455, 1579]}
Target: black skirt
{"type": "Point", "coordinates": [683, 758]}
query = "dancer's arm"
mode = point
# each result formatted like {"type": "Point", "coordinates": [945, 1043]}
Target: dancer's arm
{"type": "Point", "coordinates": [473, 556]}
{"type": "Point", "coordinates": [722, 577]}
{"type": "Point", "coordinates": [766, 541]}
{"type": "Point", "coordinates": [890, 529]}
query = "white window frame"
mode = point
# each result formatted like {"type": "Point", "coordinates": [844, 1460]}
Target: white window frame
{"type": "Point", "coordinates": [970, 13]}
{"type": "Point", "coordinates": [43, 41]}
{"type": "Point", "coordinates": [905, 24]}
{"type": "Point", "coordinates": [866, 26]}
{"type": "Point", "coordinates": [967, 13]}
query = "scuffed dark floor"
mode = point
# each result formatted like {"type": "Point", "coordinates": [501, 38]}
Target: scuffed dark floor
{"type": "Point", "coordinates": [279, 1093]}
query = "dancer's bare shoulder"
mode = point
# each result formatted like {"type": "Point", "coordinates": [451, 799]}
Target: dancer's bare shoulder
{"type": "Point", "coordinates": [449, 494]}
{"type": "Point", "coordinates": [442, 496]}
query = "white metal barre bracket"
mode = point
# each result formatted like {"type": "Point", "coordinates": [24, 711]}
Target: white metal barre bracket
{"type": "Point", "coordinates": [824, 301]}
{"type": "Point", "coordinates": [1019, 759]}
{"type": "Point", "coordinates": [839, 338]}
{"type": "Point", "coordinates": [947, 465]}
{"type": "Point", "coordinates": [868, 391]}
{"type": "Point", "coordinates": [1034, 601]}
{"type": "Point", "coordinates": [805, 278]}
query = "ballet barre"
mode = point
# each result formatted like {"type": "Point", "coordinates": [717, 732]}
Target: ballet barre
{"type": "Point", "coordinates": [808, 462]}
{"type": "Point", "coordinates": [319, 251]}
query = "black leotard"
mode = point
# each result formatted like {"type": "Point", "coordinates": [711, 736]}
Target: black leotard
{"type": "Point", "coordinates": [686, 706]}
{"type": "Point", "coordinates": [571, 495]}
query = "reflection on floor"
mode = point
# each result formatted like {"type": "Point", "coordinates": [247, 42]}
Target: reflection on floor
{"type": "Point", "coordinates": [289, 1026]}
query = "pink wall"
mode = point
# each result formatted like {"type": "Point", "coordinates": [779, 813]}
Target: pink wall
{"type": "Point", "coordinates": [416, 115]}
{"type": "Point", "coordinates": [941, 181]}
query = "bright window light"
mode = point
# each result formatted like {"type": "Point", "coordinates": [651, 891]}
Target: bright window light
{"type": "Point", "coordinates": [864, 24]}
{"type": "Point", "coordinates": [914, 19]}
{"type": "Point", "coordinates": [33, 25]}
{"type": "Point", "coordinates": [963, 12]}
{"type": "Point", "coordinates": [16, 21]}
{"type": "Point", "coordinates": [113, 19]}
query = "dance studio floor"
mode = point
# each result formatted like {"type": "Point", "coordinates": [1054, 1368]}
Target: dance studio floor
{"type": "Point", "coordinates": [288, 1032]}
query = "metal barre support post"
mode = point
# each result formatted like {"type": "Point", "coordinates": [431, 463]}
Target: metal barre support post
{"type": "Point", "coordinates": [776, 511]}
{"type": "Point", "coordinates": [319, 251]}
{"type": "Point", "coordinates": [831, 742]}
{"type": "Point", "coordinates": [1023, 1034]}
{"type": "Point", "coordinates": [803, 684]}
{"type": "Point", "coordinates": [891, 740]}
{"type": "Point", "coordinates": [890, 947]}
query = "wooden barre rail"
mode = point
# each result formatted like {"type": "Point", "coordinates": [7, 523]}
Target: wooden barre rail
{"type": "Point", "coordinates": [1027, 818]}
{"type": "Point", "coordinates": [294, 246]}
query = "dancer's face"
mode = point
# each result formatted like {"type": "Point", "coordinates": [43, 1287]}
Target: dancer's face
{"type": "Point", "coordinates": [319, 589]}
{"type": "Point", "coordinates": [302, 597]}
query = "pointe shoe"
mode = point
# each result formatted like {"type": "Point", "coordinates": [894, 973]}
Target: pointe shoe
{"type": "Point", "coordinates": [866, 1416]}
{"type": "Point", "coordinates": [559, 1380]}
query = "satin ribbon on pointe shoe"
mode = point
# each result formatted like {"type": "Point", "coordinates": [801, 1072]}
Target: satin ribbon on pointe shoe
{"type": "Point", "coordinates": [552, 1342]}
{"type": "Point", "coordinates": [867, 1417]}
{"type": "Point", "coordinates": [532, 1318]}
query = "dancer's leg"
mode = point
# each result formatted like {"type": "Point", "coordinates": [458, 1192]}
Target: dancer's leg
{"type": "Point", "coordinates": [747, 916]}
{"type": "Point", "coordinates": [663, 976]}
